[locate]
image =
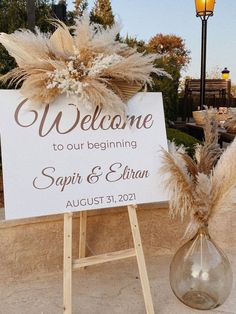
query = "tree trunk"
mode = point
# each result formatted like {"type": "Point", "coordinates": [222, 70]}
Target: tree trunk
{"type": "Point", "coordinates": [30, 7]}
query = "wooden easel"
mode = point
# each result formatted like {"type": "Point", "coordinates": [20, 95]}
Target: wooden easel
{"type": "Point", "coordinates": [70, 264]}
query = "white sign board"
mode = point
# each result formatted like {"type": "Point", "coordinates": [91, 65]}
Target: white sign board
{"type": "Point", "coordinates": [61, 158]}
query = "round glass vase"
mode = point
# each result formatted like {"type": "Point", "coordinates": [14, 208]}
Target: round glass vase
{"type": "Point", "coordinates": [200, 273]}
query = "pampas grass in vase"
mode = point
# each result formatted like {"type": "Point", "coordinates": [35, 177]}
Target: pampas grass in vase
{"type": "Point", "coordinates": [200, 187]}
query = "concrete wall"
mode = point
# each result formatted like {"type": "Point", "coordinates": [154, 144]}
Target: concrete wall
{"type": "Point", "coordinates": [35, 246]}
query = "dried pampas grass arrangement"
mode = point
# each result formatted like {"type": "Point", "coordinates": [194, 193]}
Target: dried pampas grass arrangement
{"type": "Point", "coordinates": [90, 65]}
{"type": "Point", "coordinates": [204, 185]}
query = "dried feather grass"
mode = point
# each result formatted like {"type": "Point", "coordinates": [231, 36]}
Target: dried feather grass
{"type": "Point", "coordinates": [201, 188]}
{"type": "Point", "coordinates": [35, 88]}
{"type": "Point", "coordinates": [180, 189]}
{"type": "Point", "coordinates": [191, 166]}
{"type": "Point", "coordinates": [63, 63]}
{"type": "Point", "coordinates": [97, 39]}
{"type": "Point", "coordinates": [124, 91]}
{"type": "Point", "coordinates": [25, 47]}
{"type": "Point", "coordinates": [209, 153]}
{"type": "Point", "coordinates": [224, 181]}
{"type": "Point", "coordinates": [134, 68]}
{"type": "Point", "coordinates": [61, 41]}
{"type": "Point", "coordinates": [199, 214]}
{"type": "Point", "coordinates": [99, 95]}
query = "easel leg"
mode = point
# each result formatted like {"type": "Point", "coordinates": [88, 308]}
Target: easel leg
{"type": "Point", "coordinates": [82, 234]}
{"type": "Point", "coordinates": [140, 259]}
{"type": "Point", "coordinates": [67, 266]}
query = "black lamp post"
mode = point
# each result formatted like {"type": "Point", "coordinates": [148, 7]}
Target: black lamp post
{"type": "Point", "coordinates": [204, 9]}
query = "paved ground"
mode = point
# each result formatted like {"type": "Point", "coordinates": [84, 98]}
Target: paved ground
{"type": "Point", "coordinates": [108, 288]}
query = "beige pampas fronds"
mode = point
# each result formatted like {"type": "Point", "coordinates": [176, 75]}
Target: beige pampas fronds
{"type": "Point", "coordinates": [180, 189]}
{"type": "Point", "coordinates": [90, 64]}
{"type": "Point", "coordinates": [203, 185]}
{"type": "Point", "coordinates": [209, 153]}
{"type": "Point", "coordinates": [223, 181]}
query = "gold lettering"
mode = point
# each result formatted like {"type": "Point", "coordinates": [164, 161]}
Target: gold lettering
{"type": "Point", "coordinates": [56, 123]}
{"type": "Point", "coordinates": [44, 173]}
{"type": "Point", "coordinates": [94, 121]}
{"type": "Point", "coordinates": [17, 115]}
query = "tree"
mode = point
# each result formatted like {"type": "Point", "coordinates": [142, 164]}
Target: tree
{"type": "Point", "coordinates": [30, 8]}
{"type": "Point", "coordinates": [80, 6]}
{"type": "Point", "coordinates": [13, 15]}
{"type": "Point", "coordinates": [175, 58]}
{"type": "Point", "coordinates": [133, 42]}
{"type": "Point", "coordinates": [102, 13]}
{"type": "Point", "coordinates": [172, 48]}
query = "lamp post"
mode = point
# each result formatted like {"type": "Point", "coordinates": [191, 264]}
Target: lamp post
{"type": "Point", "coordinates": [225, 74]}
{"type": "Point", "coordinates": [204, 9]}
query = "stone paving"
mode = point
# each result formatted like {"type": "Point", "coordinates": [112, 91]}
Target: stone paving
{"type": "Point", "coordinates": [109, 288]}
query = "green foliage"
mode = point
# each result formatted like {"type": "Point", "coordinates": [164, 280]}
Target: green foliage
{"type": "Point", "coordinates": [102, 13]}
{"type": "Point", "coordinates": [13, 16]}
{"type": "Point", "coordinates": [43, 13]}
{"type": "Point", "coordinates": [174, 58]}
{"type": "Point", "coordinates": [168, 87]}
{"type": "Point", "coordinates": [181, 138]}
{"type": "Point", "coordinates": [7, 63]}
{"type": "Point", "coordinates": [134, 43]}
{"type": "Point", "coordinates": [80, 6]}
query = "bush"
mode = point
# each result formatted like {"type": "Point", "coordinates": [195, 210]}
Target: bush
{"type": "Point", "coordinates": [183, 138]}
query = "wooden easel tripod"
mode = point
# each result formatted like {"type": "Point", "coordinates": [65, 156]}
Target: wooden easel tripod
{"type": "Point", "coordinates": [82, 261]}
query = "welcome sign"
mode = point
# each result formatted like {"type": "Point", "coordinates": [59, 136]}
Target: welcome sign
{"type": "Point", "coordinates": [63, 158]}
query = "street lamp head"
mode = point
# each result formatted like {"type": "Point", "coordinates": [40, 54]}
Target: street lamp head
{"type": "Point", "coordinates": [204, 8]}
{"type": "Point", "coordinates": [225, 74]}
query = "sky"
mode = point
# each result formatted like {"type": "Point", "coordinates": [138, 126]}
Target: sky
{"type": "Point", "coordinates": [145, 18]}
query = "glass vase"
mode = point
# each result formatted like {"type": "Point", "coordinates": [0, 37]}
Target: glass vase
{"type": "Point", "coordinates": [200, 273]}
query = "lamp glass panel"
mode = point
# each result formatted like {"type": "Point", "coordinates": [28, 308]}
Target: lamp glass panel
{"type": "Point", "coordinates": [225, 76]}
{"type": "Point", "coordinates": [204, 7]}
